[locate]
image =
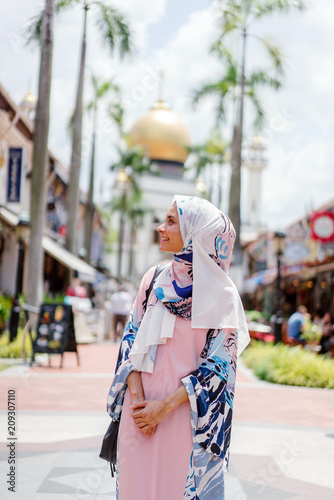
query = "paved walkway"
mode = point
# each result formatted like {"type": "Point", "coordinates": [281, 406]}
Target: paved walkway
{"type": "Point", "coordinates": [282, 442]}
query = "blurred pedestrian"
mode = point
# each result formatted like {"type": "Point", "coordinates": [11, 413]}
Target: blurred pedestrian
{"type": "Point", "coordinates": [296, 325]}
{"type": "Point", "coordinates": [120, 307]}
{"type": "Point", "coordinates": [327, 338]}
{"type": "Point", "coordinates": [175, 376]}
{"type": "Point", "coordinates": [76, 289]}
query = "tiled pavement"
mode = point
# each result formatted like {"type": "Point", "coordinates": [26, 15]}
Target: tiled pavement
{"type": "Point", "coordinates": [282, 442]}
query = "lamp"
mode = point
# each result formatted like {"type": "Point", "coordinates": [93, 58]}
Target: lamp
{"type": "Point", "coordinates": [278, 249]}
{"type": "Point", "coordinates": [279, 243]}
{"type": "Point", "coordinates": [123, 181]}
{"type": "Point", "coordinates": [200, 187]}
{"type": "Point", "coordinates": [22, 234]}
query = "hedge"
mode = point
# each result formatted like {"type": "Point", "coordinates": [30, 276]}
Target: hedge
{"type": "Point", "coordinates": [282, 364]}
{"type": "Point", "coordinates": [14, 349]}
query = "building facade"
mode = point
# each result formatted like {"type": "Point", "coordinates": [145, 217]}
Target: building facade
{"type": "Point", "coordinates": [16, 150]}
{"type": "Point", "coordinates": [307, 265]}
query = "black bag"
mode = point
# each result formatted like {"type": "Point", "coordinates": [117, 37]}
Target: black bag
{"type": "Point", "coordinates": [109, 444]}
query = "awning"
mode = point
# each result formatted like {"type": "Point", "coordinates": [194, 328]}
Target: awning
{"type": "Point", "coordinates": [86, 272]}
{"type": "Point", "coordinates": [8, 217]}
{"type": "Point", "coordinates": [265, 277]}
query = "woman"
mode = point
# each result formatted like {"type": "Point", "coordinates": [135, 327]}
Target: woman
{"type": "Point", "coordinates": [178, 361]}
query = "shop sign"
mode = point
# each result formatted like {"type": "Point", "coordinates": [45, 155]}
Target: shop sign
{"type": "Point", "coordinates": [322, 225]}
{"type": "Point", "coordinates": [15, 166]}
{"type": "Point", "coordinates": [296, 252]}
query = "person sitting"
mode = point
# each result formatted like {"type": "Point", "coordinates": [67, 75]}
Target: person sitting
{"type": "Point", "coordinates": [296, 325]}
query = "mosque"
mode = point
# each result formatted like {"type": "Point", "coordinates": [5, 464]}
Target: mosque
{"type": "Point", "coordinates": [165, 139]}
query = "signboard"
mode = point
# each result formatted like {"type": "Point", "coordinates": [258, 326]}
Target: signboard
{"type": "Point", "coordinates": [323, 227]}
{"type": "Point", "coordinates": [297, 243]}
{"type": "Point", "coordinates": [55, 330]}
{"type": "Point", "coordinates": [15, 167]}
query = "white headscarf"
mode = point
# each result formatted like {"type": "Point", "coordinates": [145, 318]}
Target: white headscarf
{"type": "Point", "coordinates": [208, 235]}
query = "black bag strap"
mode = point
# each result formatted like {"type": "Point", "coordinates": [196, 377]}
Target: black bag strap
{"type": "Point", "coordinates": [158, 270]}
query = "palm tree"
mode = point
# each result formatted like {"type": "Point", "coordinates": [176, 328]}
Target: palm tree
{"type": "Point", "coordinates": [205, 157]}
{"type": "Point", "coordinates": [115, 110]}
{"type": "Point", "coordinates": [40, 158]}
{"type": "Point", "coordinates": [238, 17]}
{"type": "Point", "coordinates": [131, 165]}
{"type": "Point", "coordinates": [115, 33]}
{"type": "Point", "coordinates": [132, 208]}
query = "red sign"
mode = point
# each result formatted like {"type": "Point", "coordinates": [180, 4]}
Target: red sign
{"type": "Point", "coordinates": [62, 230]}
{"type": "Point", "coordinates": [322, 224]}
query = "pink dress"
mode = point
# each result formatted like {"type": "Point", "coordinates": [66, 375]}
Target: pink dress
{"type": "Point", "coordinates": [156, 468]}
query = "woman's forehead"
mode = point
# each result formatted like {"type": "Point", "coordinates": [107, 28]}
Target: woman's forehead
{"type": "Point", "coordinates": [172, 211]}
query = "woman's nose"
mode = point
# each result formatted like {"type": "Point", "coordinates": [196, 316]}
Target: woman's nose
{"type": "Point", "coordinates": [161, 228]}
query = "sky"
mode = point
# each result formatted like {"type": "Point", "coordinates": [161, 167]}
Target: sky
{"type": "Point", "coordinates": [175, 37]}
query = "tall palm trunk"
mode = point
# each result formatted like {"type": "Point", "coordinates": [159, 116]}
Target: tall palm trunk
{"type": "Point", "coordinates": [89, 219]}
{"type": "Point", "coordinates": [235, 186]}
{"type": "Point", "coordinates": [40, 159]}
{"type": "Point", "coordinates": [74, 183]}
{"type": "Point", "coordinates": [132, 245]}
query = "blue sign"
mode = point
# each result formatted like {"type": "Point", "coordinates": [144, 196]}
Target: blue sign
{"type": "Point", "coordinates": [15, 166]}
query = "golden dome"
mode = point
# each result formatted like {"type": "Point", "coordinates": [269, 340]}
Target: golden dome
{"type": "Point", "coordinates": [29, 101]}
{"type": "Point", "coordinates": [162, 134]}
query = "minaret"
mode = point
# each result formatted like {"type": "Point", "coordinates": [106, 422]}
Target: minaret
{"type": "Point", "coordinates": [255, 162]}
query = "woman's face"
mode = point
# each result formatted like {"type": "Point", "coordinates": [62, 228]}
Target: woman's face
{"type": "Point", "coordinates": [170, 234]}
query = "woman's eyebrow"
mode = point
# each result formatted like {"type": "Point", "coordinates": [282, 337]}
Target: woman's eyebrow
{"type": "Point", "coordinates": [171, 217]}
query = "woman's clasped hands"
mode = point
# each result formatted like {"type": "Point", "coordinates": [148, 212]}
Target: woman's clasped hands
{"type": "Point", "coordinates": [147, 415]}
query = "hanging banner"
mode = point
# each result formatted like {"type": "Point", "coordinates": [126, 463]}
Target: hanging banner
{"type": "Point", "coordinates": [322, 224]}
{"type": "Point", "coordinates": [15, 167]}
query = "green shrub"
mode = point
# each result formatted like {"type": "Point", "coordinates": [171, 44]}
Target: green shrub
{"type": "Point", "coordinates": [5, 306]}
{"type": "Point", "coordinates": [255, 315]}
{"type": "Point", "coordinates": [287, 365]}
{"type": "Point", "coordinates": [56, 299]}
{"type": "Point", "coordinates": [14, 349]}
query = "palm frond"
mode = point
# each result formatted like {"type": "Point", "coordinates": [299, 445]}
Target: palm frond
{"type": "Point", "coordinates": [275, 55]}
{"type": "Point", "coordinates": [259, 112]}
{"type": "Point", "coordinates": [33, 30]}
{"type": "Point", "coordinates": [205, 91]}
{"type": "Point", "coordinates": [219, 48]}
{"type": "Point", "coordinates": [116, 112]}
{"type": "Point", "coordinates": [262, 78]}
{"type": "Point", "coordinates": [268, 7]}
{"type": "Point", "coordinates": [114, 29]}
{"type": "Point", "coordinates": [232, 17]}
{"type": "Point", "coordinates": [64, 4]}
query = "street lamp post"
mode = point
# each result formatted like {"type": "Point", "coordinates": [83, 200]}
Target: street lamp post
{"type": "Point", "coordinates": [279, 245]}
{"type": "Point", "coordinates": [201, 188]}
{"type": "Point", "coordinates": [22, 229]}
{"type": "Point", "coordinates": [122, 181]}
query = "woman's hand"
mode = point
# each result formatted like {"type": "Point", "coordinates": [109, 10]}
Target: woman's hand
{"type": "Point", "coordinates": [137, 399]}
{"type": "Point", "coordinates": [148, 414]}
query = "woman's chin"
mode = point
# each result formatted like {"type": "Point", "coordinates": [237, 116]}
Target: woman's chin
{"type": "Point", "coordinates": [163, 248]}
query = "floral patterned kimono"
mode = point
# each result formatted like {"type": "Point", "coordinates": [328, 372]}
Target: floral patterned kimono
{"type": "Point", "coordinates": [187, 455]}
